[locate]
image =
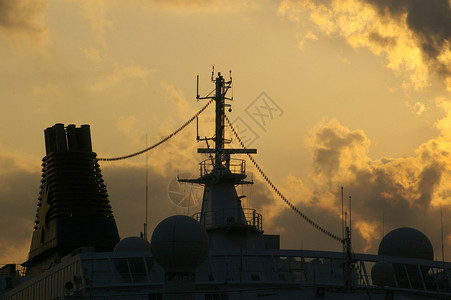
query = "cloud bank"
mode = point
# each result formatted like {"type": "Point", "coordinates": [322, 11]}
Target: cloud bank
{"type": "Point", "coordinates": [386, 193]}
{"type": "Point", "coordinates": [415, 38]}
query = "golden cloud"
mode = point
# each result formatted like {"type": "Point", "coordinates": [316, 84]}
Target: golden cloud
{"type": "Point", "coordinates": [94, 55]}
{"type": "Point", "coordinates": [119, 75]}
{"type": "Point", "coordinates": [95, 11]}
{"type": "Point", "coordinates": [393, 29]}
{"type": "Point", "coordinates": [176, 95]}
{"type": "Point", "coordinates": [403, 188]}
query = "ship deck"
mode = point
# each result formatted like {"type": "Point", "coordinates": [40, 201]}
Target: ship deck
{"type": "Point", "coordinates": [238, 274]}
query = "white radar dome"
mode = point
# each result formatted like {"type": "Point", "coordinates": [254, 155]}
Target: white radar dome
{"type": "Point", "coordinates": [132, 243]}
{"type": "Point", "coordinates": [133, 268]}
{"type": "Point", "coordinates": [179, 244]}
{"type": "Point", "coordinates": [383, 274]}
{"type": "Point", "coordinates": [406, 242]}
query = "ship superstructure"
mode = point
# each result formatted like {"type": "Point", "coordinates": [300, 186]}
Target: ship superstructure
{"type": "Point", "coordinates": [228, 224]}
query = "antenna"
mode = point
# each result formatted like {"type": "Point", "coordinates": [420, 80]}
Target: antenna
{"type": "Point", "coordinates": [197, 124]}
{"type": "Point", "coordinates": [221, 154]}
{"type": "Point", "coordinates": [350, 218]}
{"type": "Point", "coordinates": [230, 76]}
{"type": "Point", "coordinates": [441, 232]}
{"type": "Point", "coordinates": [197, 93]}
{"type": "Point", "coordinates": [342, 216]}
{"type": "Point", "coordinates": [147, 193]}
{"type": "Point", "coordinates": [346, 218]}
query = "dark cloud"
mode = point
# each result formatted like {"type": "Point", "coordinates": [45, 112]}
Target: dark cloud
{"type": "Point", "coordinates": [331, 143]}
{"type": "Point", "coordinates": [19, 190]}
{"type": "Point", "coordinates": [299, 234]}
{"type": "Point", "coordinates": [429, 21]}
{"type": "Point", "coordinates": [429, 179]}
{"type": "Point", "coordinates": [23, 17]}
{"type": "Point", "coordinates": [126, 188]}
{"type": "Point", "coordinates": [382, 41]}
{"type": "Point", "coordinates": [414, 35]}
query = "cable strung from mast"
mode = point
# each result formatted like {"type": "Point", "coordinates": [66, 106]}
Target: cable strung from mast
{"type": "Point", "coordinates": [162, 141]}
{"type": "Point", "coordinates": [294, 208]}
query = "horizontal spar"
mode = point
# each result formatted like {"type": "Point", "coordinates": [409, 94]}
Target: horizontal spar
{"type": "Point", "coordinates": [228, 151]}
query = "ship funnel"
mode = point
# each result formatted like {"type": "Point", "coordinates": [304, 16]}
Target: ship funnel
{"type": "Point", "coordinates": [73, 206]}
{"type": "Point", "coordinates": [59, 139]}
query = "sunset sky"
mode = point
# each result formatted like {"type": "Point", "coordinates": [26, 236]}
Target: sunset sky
{"type": "Point", "coordinates": [360, 91]}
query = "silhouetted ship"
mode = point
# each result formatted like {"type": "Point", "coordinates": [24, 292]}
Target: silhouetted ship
{"type": "Point", "coordinates": [219, 253]}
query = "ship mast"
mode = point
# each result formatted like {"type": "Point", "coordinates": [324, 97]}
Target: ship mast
{"type": "Point", "coordinates": [220, 97]}
{"type": "Point", "coordinates": [227, 223]}
{"type": "Point", "coordinates": [221, 90]}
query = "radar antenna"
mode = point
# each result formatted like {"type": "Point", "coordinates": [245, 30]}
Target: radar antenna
{"type": "Point", "coordinates": [220, 96]}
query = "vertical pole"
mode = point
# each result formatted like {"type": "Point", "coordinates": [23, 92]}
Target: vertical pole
{"type": "Point", "coordinates": [441, 232]}
{"type": "Point", "coordinates": [342, 218]}
{"type": "Point", "coordinates": [219, 139]}
{"type": "Point", "coordinates": [241, 272]}
{"type": "Point", "coordinates": [197, 93]}
{"type": "Point", "coordinates": [197, 128]}
{"type": "Point", "coordinates": [147, 193]}
{"type": "Point", "coordinates": [350, 218]}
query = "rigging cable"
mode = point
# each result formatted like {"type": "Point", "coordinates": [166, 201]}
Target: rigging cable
{"type": "Point", "coordinates": [161, 141]}
{"type": "Point", "coordinates": [294, 208]}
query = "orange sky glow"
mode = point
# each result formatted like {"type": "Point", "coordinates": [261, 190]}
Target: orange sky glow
{"type": "Point", "coordinates": [360, 91]}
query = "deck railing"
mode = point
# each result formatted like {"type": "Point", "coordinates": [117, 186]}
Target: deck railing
{"type": "Point", "coordinates": [295, 271]}
{"type": "Point", "coordinates": [226, 217]}
{"type": "Point", "coordinates": [236, 166]}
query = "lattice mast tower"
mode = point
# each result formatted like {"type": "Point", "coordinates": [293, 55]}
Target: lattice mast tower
{"type": "Point", "coordinates": [227, 223]}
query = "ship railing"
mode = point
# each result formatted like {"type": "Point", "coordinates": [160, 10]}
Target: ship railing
{"type": "Point", "coordinates": [327, 269]}
{"type": "Point", "coordinates": [234, 165]}
{"type": "Point", "coordinates": [275, 268]}
{"type": "Point", "coordinates": [230, 217]}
